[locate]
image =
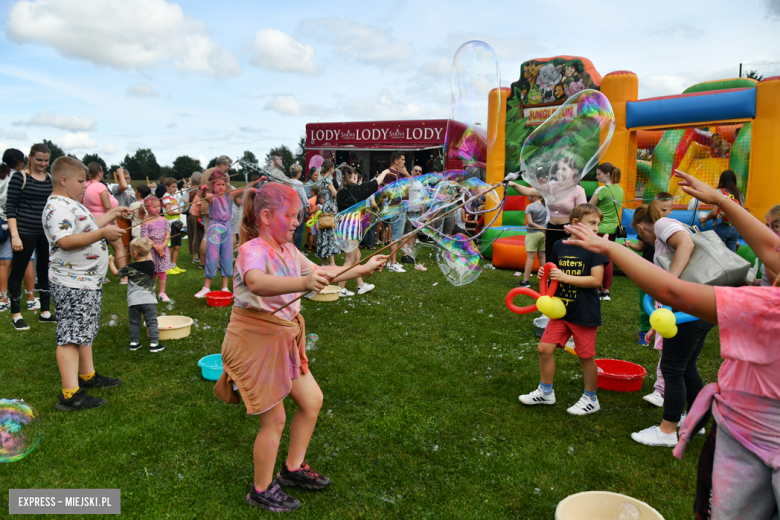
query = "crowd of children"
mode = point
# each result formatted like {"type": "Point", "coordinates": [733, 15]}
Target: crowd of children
{"type": "Point", "coordinates": [264, 353]}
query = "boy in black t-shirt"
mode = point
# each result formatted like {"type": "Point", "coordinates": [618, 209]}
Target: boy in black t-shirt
{"type": "Point", "coordinates": [579, 275]}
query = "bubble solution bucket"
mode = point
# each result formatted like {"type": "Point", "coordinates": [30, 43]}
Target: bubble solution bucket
{"type": "Point", "coordinates": [603, 505]}
{"type": "Point", "coordinates": [174, 327]}
{"type": "Point", "coordinates": [211, 366]}
{"type": "Point", "coordinates": [219, 298]}
{"type": "Point", "coordinates": [621, 376]}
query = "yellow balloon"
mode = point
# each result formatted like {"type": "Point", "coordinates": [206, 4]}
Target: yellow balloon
{"type": "Point", "coordinates": [663, 320]}
{"type": "Point", "coordinates": [558, 310]}
{"type": "Point", "coordinates": [669, 333]}
{"type": "Point", "coordinates": [545, 304]}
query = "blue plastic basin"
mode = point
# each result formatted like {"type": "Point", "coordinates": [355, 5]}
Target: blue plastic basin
{"type": "Point", "coordinates": [211, 366]}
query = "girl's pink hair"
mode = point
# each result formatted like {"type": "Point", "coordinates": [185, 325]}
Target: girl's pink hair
{"type": "Point", "coordinates": [271, 196]}
{"type": "Point", "coordinates": [216, 175]}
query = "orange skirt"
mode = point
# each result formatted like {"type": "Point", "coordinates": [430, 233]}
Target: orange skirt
{"type": "Point", "coordinates": [261, 354]}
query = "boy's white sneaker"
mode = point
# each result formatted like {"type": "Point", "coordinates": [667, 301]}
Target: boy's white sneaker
{"type": "Point", "coordinates": [653, 436]}
{"type": "Point", "coordinates": [396, 268]}
{"type": "Point", "coordinates": [537, 397]}
{"type": "Point", "coordinates": [584, 406]}
{"type": "Point", "coordinates": [346, 292]}
{"type": "Point", "coordinates": [655, 399]}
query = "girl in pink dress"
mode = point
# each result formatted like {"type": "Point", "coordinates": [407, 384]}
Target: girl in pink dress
{"type": "Point", "coordinates": [740, 461]}
{"type": "Point", "coordinates": [158, 230]}
{"type": "Point", "coordinates": [264, 353]}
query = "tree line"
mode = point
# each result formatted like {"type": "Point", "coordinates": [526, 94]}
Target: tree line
{"type": "Point", "coordinates": [143, 163]}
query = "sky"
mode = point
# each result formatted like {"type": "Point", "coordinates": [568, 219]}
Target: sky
{"type": "Point", "coordinates": [204, 78]}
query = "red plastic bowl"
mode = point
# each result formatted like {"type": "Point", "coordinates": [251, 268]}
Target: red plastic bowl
{"type": "Point", "coordinates": [219, 298]}
{"type": "Point", "coordinates": [620, 376]}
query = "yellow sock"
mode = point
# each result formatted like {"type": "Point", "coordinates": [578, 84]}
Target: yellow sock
{"type": "Point", "coordinates": [87, 377]}
{"type": "Point", "coordinates": [67, 394]}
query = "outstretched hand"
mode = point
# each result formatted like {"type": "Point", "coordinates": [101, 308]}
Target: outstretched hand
{"type": "Point", "coordinates": [318, 280]}
{"type": "Point", "coordinates": [697, 189]}
{"type": "Point", "coordinates": [583, 236]}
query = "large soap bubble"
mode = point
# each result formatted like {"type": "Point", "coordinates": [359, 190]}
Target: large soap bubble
{"type": "Point", "coordinates": [563, 149]}
{"type": "Point", "coordinates": [218, 233]}
{"type": "Point", "coordinates": [21, 429]}
{"type": "Point", "coordinates": [475, 73]}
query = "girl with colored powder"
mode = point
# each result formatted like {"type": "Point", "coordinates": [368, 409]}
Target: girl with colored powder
{"type": "Point", "coordinates": [739, 464]}
{"type": "Point", "coordinates": [219, 235]}
{"type": "Point", "coordinates": [158, 230]}
{"type": "Point", "coordinates": [263, 354]}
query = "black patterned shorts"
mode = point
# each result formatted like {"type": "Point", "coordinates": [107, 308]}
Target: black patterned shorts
{"type": "Point", "coordinates": [78, 314]}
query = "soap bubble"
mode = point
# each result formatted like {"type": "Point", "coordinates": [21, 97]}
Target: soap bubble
{"type": "Point", "coordinates": [459, 262]}
{"type": "Point", "coordinates": [311, 340]}
{"type": "Point", "coordinates": [626, 511]}
{"type": "Point", "coordinates": [475, 73]}
{"type": "Point", "coordinates": [21, 429]}
{"type": "Point", "coordinates": [563, 149]}
{"type": "Point", "coordinates": [218, 233]}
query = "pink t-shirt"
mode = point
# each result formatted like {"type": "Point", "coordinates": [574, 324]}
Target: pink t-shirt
{"type": "Point", "coordinates": [562, 208]}
{"type": "Point", "coordinates": [664, 228]}
{"type": "Point", "coordinates": [749, 321]}
{"type": "Point", "coordinates": [258, 254]}
{"type": "Point", "coordinates": [92, 200]}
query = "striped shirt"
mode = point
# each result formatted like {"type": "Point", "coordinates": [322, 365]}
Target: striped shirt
{"type": "Point", "coordinates": [27, 205]}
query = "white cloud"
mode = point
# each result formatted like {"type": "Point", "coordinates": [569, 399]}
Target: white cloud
{"type": "Point", "coordinates": [4, 146]}
{"type": "Point", "coordinates": [46, 118]}
{"type": "Point", "coordinates": [275, 50]}
{"type": "Point", "coordinates": [289, 106]}
{"type": "Point", "coordinates": [367, 44]}
{"type": "Point", "coordinates": [172, 125]}
{"type": "Point", "coordinates": [246, 129]}
{"type": "Point", "coordinates": [122, 34]}
{"type": "Point", "coordinates": [203, 161]}
{"type": "Point", "coordinates": [75, 141]}
{"type": "Point", "coordinates": [384, 106]}
{"type": "Point", "coordinates": [110, 149]}
{"type": "Point", "coordinates": [16, 135]}
{"type": "Point", "coordinates": [671, 84]}
{"type": "Point", "coordinates": [142, 90]}
{"type": "Point", "coordinates": [686, 30]}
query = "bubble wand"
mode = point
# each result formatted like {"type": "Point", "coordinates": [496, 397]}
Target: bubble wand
{"type": "Point", "coordinates": [405, 237]}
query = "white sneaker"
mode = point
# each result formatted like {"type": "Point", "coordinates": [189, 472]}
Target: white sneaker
{"type": "Point", "coordinates": [537, 397]}
{"type": "Point", "coordinates": [346, 292]}
{"type": "Point", "coordinates": [396, 268]}
{"type": "Point", "coordinates": [682, 418]}
{"type": "Point", "coordinates": [366, 287]}
{"type": "Point", "coordinates": [34, 305]}
{"type": "Point", "coordinates": [656, 399]}
{"type": "Point", "coordinates": [584, 406]}
{"type": "Point", "coordinates": [202, 293]}
{"type": "Point", "coordinates": [4, 306]}
{"type": "Point", "coordinates": [653, 436]}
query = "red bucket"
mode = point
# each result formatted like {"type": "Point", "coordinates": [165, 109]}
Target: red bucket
{"type": "Point", "coordinates": [219, 298]}
{"type": "Point", "coordinates": [620, 376]}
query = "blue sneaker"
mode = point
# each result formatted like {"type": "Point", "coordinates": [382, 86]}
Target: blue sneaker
{"type": "Point", "coordinates": [642, 340]}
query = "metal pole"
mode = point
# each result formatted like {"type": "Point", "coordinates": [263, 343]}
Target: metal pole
{"type": "Point", "coordinates": [740, 70]}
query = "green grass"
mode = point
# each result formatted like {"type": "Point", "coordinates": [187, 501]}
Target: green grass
{"type": "Point", "coordinates": [420, 420]}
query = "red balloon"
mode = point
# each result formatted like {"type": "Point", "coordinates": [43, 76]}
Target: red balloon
{"type": "Point", "coordinates": [543, 281]}
{"type": "Point", "coordinates": [521, 290]}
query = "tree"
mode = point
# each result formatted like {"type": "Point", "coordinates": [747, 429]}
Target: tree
{"type": "Point", "coordinates": [300, 153]}
{"type": "Point", "coordinates": [93, 157]}
{"type": "Point", "coordinates": [185, 166]}
{"type": "Point", "coordinates": [753, 74]}
{"type": "Point", "coordinates": [142, 164]}
{"type": "Point", "coordinates": [287, 157]}
{"type": "Point", "coordinates": [56, 151]}
{"type": "Point", "coordinates": [165, 170]}
{"type": "Point", "coordinates": [212, 163]}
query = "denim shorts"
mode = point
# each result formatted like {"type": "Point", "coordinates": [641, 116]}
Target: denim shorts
{"type": "Point", "coordinates": [7, 252]}
{"type": "Point", "coordinates": [397, 226]}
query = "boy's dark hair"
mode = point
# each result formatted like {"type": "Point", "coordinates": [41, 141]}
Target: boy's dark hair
{"type": "Point", "coordinates": [144, 190]}
{"type": "Point", "coordinates": [170, 181]}
{"type": "Point", "coordinates": [582, 210]}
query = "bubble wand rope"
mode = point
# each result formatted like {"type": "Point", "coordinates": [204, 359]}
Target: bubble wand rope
{"type": "Point", "coordinates": [403, 240]}
{"type": "Point", "coordinates": [190, 188]}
